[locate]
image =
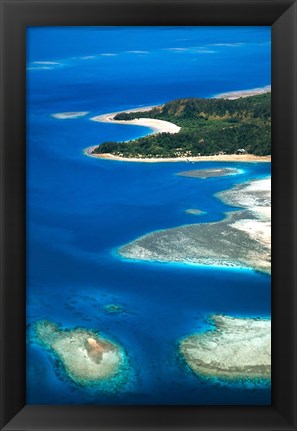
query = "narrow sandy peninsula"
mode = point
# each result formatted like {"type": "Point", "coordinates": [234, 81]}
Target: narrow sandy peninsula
{"type": "Point", "coordinates": [157, 126]}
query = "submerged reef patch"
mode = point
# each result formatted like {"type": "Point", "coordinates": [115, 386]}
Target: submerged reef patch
{"type": "Point", "coordinates": [209, 173]}
{"type": "Point", "coordinates": [194, 211]}
{"type": "Point", "coordinates": [70, 115]}
{"type": "Point", "coordinates": [242, 239]}
{"type": "Point", "coordinates": [85, 357]}
{"type": "Point", "coordinates": [237, 349]}
{"type": "Point", "coordinates": [113, 308]}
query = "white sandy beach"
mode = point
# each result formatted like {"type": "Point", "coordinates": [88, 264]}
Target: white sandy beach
{"type": "Point", "coordinates": [157, 126]}
{"type": "Point", "coordinates": [221, 158]}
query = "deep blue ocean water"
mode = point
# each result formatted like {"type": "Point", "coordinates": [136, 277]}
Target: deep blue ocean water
{"type": "Point", "coordinates": [81, 209]}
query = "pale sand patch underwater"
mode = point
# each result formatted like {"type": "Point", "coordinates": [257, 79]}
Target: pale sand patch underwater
{"type": "Point", "coordinates": [236, 349]}
{"type": "Point", "coordinates": [195, 211]}
{"type": "Point", "coordinates": [70, 115]}
{"type": "Point", "coordinates": [242, 239]}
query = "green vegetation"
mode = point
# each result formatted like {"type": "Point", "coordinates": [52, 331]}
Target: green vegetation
{"type": "Point", "coordinates": [208, 127]}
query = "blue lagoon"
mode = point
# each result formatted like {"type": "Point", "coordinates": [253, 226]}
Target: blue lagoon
{"type": "Point", "coordinates": [148, 271]}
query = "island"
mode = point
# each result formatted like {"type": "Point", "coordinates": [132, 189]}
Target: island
{"type": "Point", "coordinates": [83, 356]}
{"type": "Point", "coordinates": [235, 349]}
{"type": "Point", "coordinates": [195, 128]}
{"type": "Point", "coordinates": [242, 239]}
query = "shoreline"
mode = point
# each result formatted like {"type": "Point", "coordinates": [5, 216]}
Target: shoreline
{"type": "Point", "coordinates": [247, 158]}
{"type": "Point", "coordinates": [232, 95]}
{"type": "Point", "coordinates": [157, 126]}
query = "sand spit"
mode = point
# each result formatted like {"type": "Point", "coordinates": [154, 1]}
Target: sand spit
{"type": "Point", "coordinates": [237, 348]}
{"type": "Point", "coordinates": [86, 358]}
{"type": "Point", "coordinates": [244, 93]}
{"type": "Point", "coordinates": [157, 126]}
{"type": "Point", "coordinates": [242, 239]}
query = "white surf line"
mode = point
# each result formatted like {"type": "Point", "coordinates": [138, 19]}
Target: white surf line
{"type": "Point", "coordinates": [231, 95]}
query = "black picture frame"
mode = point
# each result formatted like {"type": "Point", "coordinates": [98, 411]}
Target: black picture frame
{"type": "Point", "coordinates": [16, 15]}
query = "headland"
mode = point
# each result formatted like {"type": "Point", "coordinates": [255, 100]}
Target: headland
{"type": "Point", "coordinates": [194, 129]}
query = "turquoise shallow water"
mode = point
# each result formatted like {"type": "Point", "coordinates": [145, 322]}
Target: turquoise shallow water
{"type": "Point", "coordinates": [81, 209]}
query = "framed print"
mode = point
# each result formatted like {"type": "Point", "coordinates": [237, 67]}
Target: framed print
{"type": "Point", "coordinates": [143, 284]}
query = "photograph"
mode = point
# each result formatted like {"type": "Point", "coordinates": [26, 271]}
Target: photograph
{"type": "Point", "coordinates": [148, 215]}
